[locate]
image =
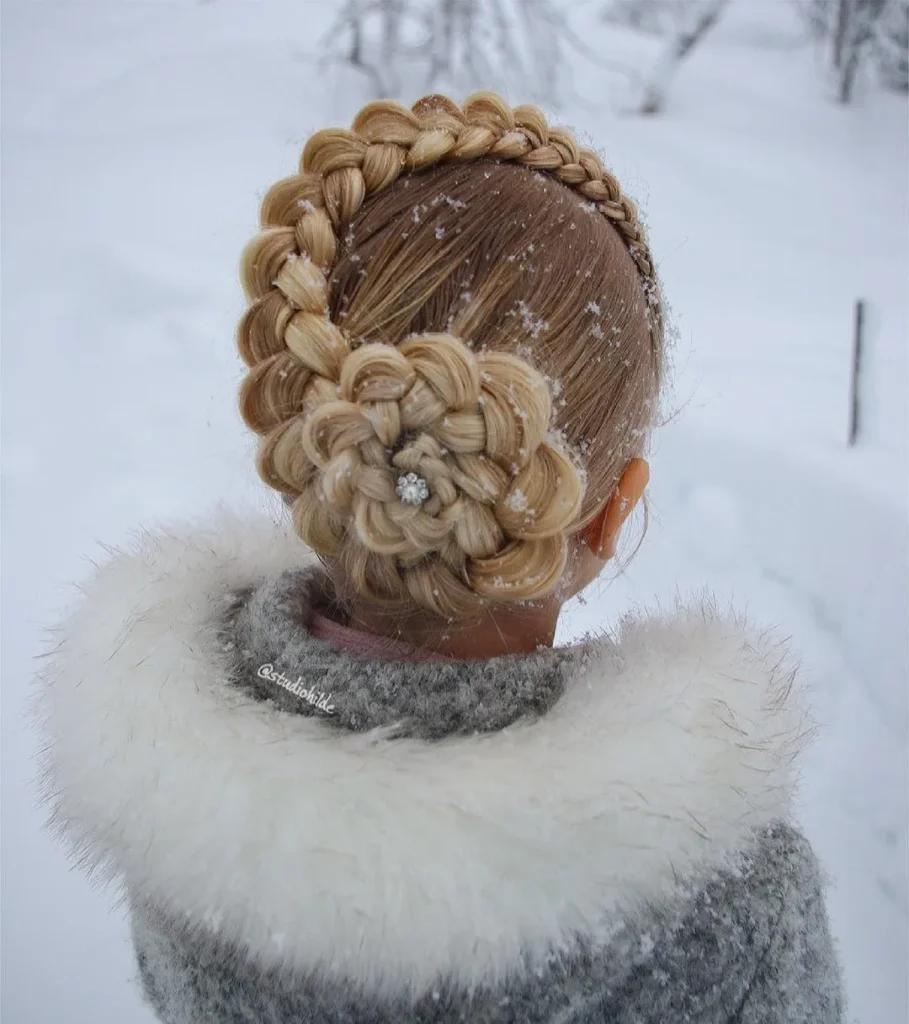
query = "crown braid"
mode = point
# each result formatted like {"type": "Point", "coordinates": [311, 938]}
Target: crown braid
{"type": "Point", "coordinates": [340, 422]}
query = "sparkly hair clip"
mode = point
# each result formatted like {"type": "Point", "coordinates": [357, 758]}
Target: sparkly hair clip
{"type": "Point", "coordinates": [412, 489]}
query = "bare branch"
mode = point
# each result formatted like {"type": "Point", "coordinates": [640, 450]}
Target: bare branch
{"type": "Point", "coordinates": [690, 34]}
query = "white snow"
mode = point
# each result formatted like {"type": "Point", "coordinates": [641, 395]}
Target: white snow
{"type": "Point", "coordinates": [517, 501]}
{"type": "Point", "coordinates": [138, 140]}
{"type": "Point", "coordinates": [530, 322]}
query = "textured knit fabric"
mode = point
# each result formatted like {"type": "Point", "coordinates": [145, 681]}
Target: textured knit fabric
{"type": "Point", "coordinates": [596, 834]}
{"type": "Point", "coordinates": [425, 698]}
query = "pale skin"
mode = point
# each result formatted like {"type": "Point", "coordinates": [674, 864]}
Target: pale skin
{"type": "Point", "coordinates": [523, 628]}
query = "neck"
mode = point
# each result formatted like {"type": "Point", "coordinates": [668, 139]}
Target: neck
{"type": "Point", "coordinates": [506, 630]}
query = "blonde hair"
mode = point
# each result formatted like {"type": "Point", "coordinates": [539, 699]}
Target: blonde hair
{"type": "Point", "coordinates": [427, 296]}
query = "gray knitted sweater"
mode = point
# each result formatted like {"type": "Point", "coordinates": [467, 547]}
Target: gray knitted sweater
{"type": "Point", "coordinates": [596, 834]}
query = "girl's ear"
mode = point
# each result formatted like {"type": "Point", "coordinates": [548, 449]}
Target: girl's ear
{"type": "Point", "coordinates": [602, 535]}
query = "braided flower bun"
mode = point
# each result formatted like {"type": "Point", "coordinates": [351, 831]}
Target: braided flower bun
{"type": "Point", "coordinates": [430, 470]}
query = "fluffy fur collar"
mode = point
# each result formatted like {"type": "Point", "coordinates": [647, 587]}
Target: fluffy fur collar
{"type": "Point", "coordinates": [392, 860]}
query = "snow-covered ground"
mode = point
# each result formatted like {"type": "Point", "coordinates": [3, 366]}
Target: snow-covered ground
{"type": "Point", "coordinates": [137, 138]}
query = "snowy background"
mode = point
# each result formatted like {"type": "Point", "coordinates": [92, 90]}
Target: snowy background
{"type": "Point", "coordinates": [138, 136]}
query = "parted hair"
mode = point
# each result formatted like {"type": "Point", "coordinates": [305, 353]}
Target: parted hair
{"type": "Point", "coordinates": [461, 293]}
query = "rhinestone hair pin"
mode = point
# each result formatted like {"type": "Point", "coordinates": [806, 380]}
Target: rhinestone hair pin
{"type": "Point", "coordinates": [412, 489]}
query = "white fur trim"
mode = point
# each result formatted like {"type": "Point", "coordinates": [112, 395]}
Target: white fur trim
{"type": "Point", "coordinates": [393, 861]}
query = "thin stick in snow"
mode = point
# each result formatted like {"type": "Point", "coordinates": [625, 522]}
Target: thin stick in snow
{"type": "Point", "coordinates": [856, 369]}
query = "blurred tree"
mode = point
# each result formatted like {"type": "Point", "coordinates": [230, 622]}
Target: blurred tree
{"type": "Point", "coordinates": [854, 31]}
{"type": "Point", "coordinates": [526, 46]}
{"type": "Point", "coordinates": [368, 35]}
{"type": "Point", "coordinates": [857, 32]}
{"type": "Point", "coordinates": [459, 44]}
{"type": "Point", "coordinates": [688, 22]}
{"type": "Point", "coordinates": [891, 46]}
{"type": "Point", "coordinates": [655, 17]}
{"type": "Point", "coordinates": [529, 46]}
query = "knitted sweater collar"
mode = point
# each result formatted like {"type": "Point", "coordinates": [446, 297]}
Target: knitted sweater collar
{"type": "Point", "coordinates": [278, 659]}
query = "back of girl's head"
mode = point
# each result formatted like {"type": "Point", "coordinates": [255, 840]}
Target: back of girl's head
{"type": "Point", "coordinates": [455, 342]}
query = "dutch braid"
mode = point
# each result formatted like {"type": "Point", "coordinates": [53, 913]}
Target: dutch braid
{"type": "Point", "coordinates": [340, 422]}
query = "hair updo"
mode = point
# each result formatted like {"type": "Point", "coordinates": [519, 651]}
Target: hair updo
{"type": "Point", "coordinates": [452, 354]}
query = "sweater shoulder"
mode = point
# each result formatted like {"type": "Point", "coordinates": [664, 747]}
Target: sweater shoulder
{"type": "Point", "coordinates": [798, 978]}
